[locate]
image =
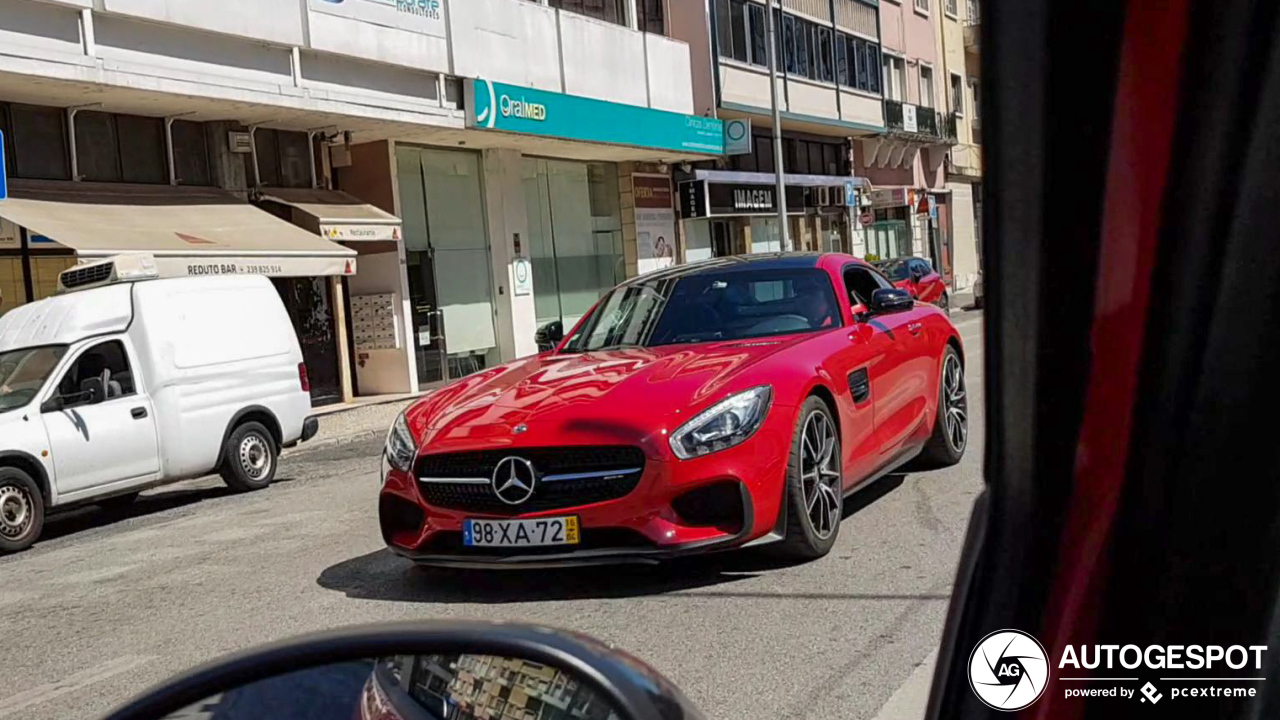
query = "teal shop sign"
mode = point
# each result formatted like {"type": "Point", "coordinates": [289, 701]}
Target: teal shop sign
{"type": "Point", "coordinates": [511, 108]}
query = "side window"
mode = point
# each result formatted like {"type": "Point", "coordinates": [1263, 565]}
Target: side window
{"type": "Point", "coordinates": [861, 282]}
{"type": "Point", "coordinates": [107, 362]}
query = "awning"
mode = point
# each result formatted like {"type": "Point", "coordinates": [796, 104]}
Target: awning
{"type": "Point", "coordinates": [335, 215]}
{"type": "Point", "coordinates": [189, 231]}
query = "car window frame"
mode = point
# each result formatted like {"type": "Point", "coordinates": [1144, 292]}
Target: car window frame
{"type": "Point", "coordinates": [875, 275]}
{"type": "Point", "coordinates": [74, 356]}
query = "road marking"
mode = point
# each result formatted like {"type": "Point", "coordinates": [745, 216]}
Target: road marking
{"type": "Point", "coordinates": [911, 699]}
{"type": "Point", "coordinates": [71, 683]}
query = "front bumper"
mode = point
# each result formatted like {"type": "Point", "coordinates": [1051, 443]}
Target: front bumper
{"type": "Point", "coordinates": [642, 526]}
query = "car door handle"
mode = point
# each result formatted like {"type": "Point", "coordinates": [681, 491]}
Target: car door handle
{"type": "Point", "coordinates": [138, 413]}
{"type": "Point", "coordinates": [915, 328]}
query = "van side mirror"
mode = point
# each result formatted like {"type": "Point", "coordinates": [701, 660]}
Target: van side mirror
{"type": "Point", "coordinates": [890, 300]}
{"type": "Point", "coordinates": [53, 404]}
{"type": "Point", "coordinates": [549, 335]}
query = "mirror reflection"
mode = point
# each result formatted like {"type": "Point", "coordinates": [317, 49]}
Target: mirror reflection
{"type": "Point", "coordinates": [413, 687]}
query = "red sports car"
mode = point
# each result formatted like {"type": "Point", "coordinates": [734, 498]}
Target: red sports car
{"type": "Point", "coordinates": [708, 406]}
{"type": "Point", "coordinates": [917, 277]}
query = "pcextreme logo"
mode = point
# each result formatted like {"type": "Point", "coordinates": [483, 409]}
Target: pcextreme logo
{"type": "Point", "coordinates": [1009, 670]}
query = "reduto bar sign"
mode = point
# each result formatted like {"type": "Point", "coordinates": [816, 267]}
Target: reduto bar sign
{"type": "Point", "coordinates": [1010, 670]}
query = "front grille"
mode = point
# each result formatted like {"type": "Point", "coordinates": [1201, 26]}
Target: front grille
{"type": "Point", "coordinates": [85, 275]}
{"type": "Point", "coordinates": [480, 498]}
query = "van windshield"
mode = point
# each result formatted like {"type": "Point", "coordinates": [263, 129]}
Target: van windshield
{"type": "Point", "coordinates": [23, 372]}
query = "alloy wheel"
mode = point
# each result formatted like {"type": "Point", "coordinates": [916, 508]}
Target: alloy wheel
{"type": "Point", "coordinates": [255, 457]}
{"type": "Point", "coordinates": [16, 512]}
{"type": "Point", "coordinates": [820, 474]}
{"type": "Point", "coordinates": [955, 404]}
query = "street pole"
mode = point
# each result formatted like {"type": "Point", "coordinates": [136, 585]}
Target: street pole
{"type": "Point", "coordinates": [781, 189]}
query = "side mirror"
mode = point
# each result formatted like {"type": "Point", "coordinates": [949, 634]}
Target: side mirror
{"type": "Point", "coordinates": [890, 300]}
{"type": "Point", "coordinates": [434, 670]}
{"type": "Point", "coordinates": [92, 391]}
{"type": "Point", "coordinates": [53, 404]}
{"type": "Point", "coordinates": [549, 335]}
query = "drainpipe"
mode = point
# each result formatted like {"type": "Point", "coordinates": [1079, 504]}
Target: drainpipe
{"type": "Point", "coordinates": [71, 137]}
{"type": "Point", "coordinates": [168, 146]}
{"type": "Point", "coordinates": [311, 156]}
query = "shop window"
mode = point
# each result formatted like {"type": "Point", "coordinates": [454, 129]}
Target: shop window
{"type": "Point", "coordinates": [39, 143]}
{"type": "Point", "coordinates": [97, 147]}
{"type": "Point", "coordinates": [190, 153]}
{"type": "Point", "coordinates": [142, 154]}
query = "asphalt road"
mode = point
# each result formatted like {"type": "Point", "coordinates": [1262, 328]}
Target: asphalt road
{"type": "Point", "coordinates": [110, 603]}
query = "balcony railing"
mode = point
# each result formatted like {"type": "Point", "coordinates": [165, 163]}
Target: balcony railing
{"type": "Point", "coordinates": [930, 123]}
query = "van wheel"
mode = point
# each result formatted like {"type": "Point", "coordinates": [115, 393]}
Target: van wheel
{"type": "Point", "coordinates": [21, 510]}
{"type": "Point", "coordinates": [249, 458]}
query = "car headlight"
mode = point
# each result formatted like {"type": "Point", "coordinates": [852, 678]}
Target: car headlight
{"type": "Point", "coordinates": [722, 425]}
{"type": "Point", "coordinates": [400, 449]}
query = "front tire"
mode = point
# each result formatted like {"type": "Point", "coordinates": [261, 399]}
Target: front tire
{"type": "Point", "coordinates": [249, 458]}
{"type": "Point", "coordinates": [944, 302]}
{"type": "Point", "coordinates": [814, 492]}
{"type": "Point", "coordinates": [21, 510]}
{"type": "Point", "coordinates": [950, 436]}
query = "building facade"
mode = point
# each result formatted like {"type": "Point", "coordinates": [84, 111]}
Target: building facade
{"type": "Point", "coordinates": [426, 182]}
{"type": "Point", "coordinates": [960, 42]}
{"type": "Point", "coordinates": [829, 92]}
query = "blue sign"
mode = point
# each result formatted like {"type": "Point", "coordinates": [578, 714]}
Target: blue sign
{"type": "Point", "coordinates": [4, 173]}
{"type": "Point", "coordinates": [511, 108]}
{"type": "Point", "coordinates": [850, 195]}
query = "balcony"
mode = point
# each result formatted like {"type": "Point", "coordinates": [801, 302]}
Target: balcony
{"type": "Point", "coordinates": [965, 160]}
{"type": "Point", "coordinates": [929, 126]}
{"type": "Point", "coordinates": [972, 26]}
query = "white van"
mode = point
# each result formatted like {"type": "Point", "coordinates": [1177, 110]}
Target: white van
{"type": "Point", "coordinates": [121, 382]}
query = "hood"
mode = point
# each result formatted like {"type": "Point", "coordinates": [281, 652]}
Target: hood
{"type": "Point", "coordinates": [620, 391]}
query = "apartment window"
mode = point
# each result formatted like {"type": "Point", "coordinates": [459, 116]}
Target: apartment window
{"type": "Point", "coordinates": [926, 86]}
{"type": "Point", "coordinates": [977, 102]}
{"type": "Point", "coordinates": [922, 5]}
{"type": "Point", "coordinates": [283, 158]}
{"type": "Point", "coordinates": [116, 148]}
{"type": "Point", "coordinates": [190, 153]}
{"type": "Point", "coordinates": [957, 94]}
{"type": "Point", "coordinates": [651, 18]}
{"type": "Point", "coordinates": [873, 68]}
{"type": "Point", "coordinates": [764, 154]}
{"type": "Point", "coordinates": [759, 50]}
{"type": "Point", "coordinates": [824, 55]}
{"type": "Point", "coordinates": [952, 8]}
{"type": "Point", "coordinates": [895, 78]}
{"type": "Point", "coordinates": [789, 43]}
{"type": "Point", "coordinates": [607, 10]}
{"type": "Point", "coordinates": [38, 139]}
{"type": "Point", "coordinates": [738, 29]}
{"type": "Point", "coordinates": [842, 60]}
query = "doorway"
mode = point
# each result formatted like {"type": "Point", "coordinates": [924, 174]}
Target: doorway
{"type": "Point", "coordinates": [307, 302]}
{"type": "Point", "coordinates": [447, 261]}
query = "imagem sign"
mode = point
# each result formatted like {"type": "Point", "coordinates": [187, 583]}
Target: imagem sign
{"type": "Point", "coordinates": [511, 108]}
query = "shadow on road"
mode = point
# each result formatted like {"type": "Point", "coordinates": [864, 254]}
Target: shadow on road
{"type": "Point", "coordinates": [93, 516]}
{"type": "Point", "coordinates": [382, 575]}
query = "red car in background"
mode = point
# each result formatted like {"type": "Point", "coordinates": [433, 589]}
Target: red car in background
{"type": "Point", "coordinates": [917, 276]}
{"type": "Point", "coordinates": [708, 406]}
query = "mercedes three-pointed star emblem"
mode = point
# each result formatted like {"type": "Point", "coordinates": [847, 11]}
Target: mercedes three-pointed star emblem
{"type": "Point", "coordinates": [513, 480]}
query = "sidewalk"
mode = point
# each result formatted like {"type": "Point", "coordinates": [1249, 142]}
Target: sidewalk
{"type": "Point", "coordinates": [367, 417]}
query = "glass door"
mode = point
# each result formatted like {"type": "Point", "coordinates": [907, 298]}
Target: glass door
{"type": "Point", "coordinates": [447, 252]}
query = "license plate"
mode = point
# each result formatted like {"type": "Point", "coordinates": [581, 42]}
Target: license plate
{"type": "Point", "coordinates": [521, 533]}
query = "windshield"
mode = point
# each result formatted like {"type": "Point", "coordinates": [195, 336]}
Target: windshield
{"type": "Point", "coordinates": [729, 305]}
{"type": "Point", "coordinates": [895, 269]}
{"type": "Point", "coordinates": [23, 372]}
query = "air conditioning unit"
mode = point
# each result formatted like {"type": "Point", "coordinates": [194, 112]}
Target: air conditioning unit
{"type": "Point", "coordinates": [837, 196]}
{"type": "Point", "coordinates": [824, 197]}
{"type": "Point", "coordinates": [118, 269]}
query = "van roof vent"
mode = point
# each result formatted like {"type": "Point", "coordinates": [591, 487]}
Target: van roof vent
{"type": "Point", "coordinates": [119, 269]}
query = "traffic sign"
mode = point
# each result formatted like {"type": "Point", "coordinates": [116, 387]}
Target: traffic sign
{"type": "Point", "coordinates": [4, 175]}
{"type": "Point", "coordinates": [866, 219]}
